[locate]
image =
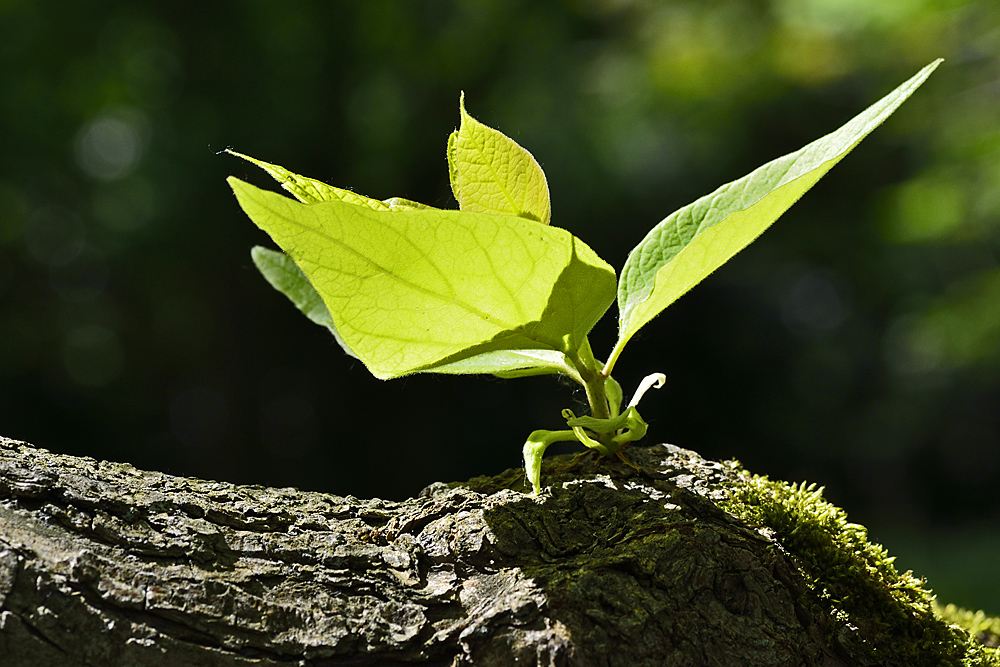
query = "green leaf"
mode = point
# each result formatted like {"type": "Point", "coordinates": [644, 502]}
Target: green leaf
{"type": "Point", "coordinates": [688, 245]}
{"type": "Point", "coordinates": [310, 191]}
{"type": "Point", "coordinates": [508, 364]}
{"type": "Point", "coordinates": [412, 289]}
{"type": "Point", "coordinates": [490, 173]}
{"type": "Point", "coordinates": [280, 271]}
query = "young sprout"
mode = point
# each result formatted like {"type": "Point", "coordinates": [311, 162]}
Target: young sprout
{"type": "Point", "coordinates": [492, 287]}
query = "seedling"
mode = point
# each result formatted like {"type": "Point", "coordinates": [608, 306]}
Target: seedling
{"type": "Point", "coordinates": [492, 287]}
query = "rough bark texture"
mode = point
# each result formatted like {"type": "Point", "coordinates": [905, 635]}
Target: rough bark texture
{"type": "Point", "coordinates": [104, 564]}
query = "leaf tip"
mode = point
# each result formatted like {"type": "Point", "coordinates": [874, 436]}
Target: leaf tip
{"type": "Point", "coordinates": [927, 70]}
{"type": "Point", "coordinates": [245, 193]}
{"type": "Point", "coordinates": [933, 65]}
{"type": "Point", "coordinates": [242, 156]}
{"type": "Point", "coordinates": [234, 183]}
{"type": "Point", "coordinates": [257, 252]}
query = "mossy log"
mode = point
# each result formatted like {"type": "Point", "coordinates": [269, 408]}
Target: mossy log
{"type": "Point", "coordinates": [667, 561]}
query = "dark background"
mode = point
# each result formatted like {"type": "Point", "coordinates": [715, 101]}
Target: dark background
{"type": "Point", "coordinates": [856, 344]}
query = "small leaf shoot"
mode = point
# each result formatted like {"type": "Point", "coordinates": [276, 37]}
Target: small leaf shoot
{"type": "Point", "coordinates": [490, 173]}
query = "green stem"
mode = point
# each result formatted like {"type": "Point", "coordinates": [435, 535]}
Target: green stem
{"type": "Point", "coordinates": [591, 372]}
{"type": "Point", "coordinates": [597, 398]}
{"type": "Point", "coordinates": [534, 450]}
{"type": "Point", "coordinates": [619, 346]}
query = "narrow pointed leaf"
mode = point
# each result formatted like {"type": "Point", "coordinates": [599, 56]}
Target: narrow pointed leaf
{"type": "Point", "coordinates": [490, 173]}
{"type": "Point", "coordinates": [688, 245]}
{"type": "Point", "coordinates": [310, 191]}
{"type": "Point", "coordinates": [507, 363]}
{"type": "Point", "coordinates": [411, 289]}
{"type": "Point", "coordinates": [280, 271]}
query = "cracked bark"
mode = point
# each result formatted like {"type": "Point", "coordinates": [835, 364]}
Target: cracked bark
{"type": "Point", "coordinates": [104, 564]}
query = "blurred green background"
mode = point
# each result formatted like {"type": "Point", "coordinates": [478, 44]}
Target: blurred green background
{"type": "Point", "coordinates": [856, 344]}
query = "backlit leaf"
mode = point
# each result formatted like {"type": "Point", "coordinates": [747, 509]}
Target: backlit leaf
{"type": "Point", "coordinates": [412, 289]}
{"type": "Point", "coordinates": [490, 173]}
{"type": "Point", "coordinates": [688, 245]}
{"type": "Point", "coordinates": [309, 190]}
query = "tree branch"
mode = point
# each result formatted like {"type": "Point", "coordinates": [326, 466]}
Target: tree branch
{"type": "Point", "coordinates": [104, 564]}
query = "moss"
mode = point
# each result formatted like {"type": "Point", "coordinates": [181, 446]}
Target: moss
{"type": "Point", "coordinates": [986, 629]}
{"type": "Point", "coordinates": [886, 616]}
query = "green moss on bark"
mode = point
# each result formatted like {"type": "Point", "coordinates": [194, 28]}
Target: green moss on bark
{"type": "Point", "coordinates": [852, 578]}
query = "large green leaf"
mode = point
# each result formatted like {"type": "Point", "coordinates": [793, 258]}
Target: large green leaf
{"type": "Point", "coordinates": [281, 272]}
{"type": "Point", "coordinates": [692, 242]}
{"type": "Point", "coordinates": [283, 275]}
{"type": "Point", "coordinates": [578, 300]}
{"type": "Point", "coordinates": [411, 289]}
{"type": "Point", "coordinates": [490, 173]}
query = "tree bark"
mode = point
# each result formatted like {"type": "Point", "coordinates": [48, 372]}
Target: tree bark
{"type": "Point", "coordinates": [104, 564]}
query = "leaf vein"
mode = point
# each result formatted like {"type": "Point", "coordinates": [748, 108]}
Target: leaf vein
{"type": "Point", "coordinates": [495, 321]}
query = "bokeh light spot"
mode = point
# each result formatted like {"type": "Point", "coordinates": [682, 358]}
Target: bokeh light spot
{"type": "Point", "coordinates": [814, 304]}
{"type": "Point", "coordinates": [925, 209]}
{"type": "Point", "coordinates": [109, 146]}
{"type": "Point", "coordinates": [912, 349]}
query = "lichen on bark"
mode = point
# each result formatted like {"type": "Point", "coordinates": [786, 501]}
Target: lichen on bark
{"type": "Point", "coordinates": [670, 560]}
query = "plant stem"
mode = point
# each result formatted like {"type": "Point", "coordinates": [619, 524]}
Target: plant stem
{"type": "Point", "coordinates": [619, 346]}
{"type": "Point", "coordinates": [593, 381]}
{"type": "Point", "coordinates": [596, 396]}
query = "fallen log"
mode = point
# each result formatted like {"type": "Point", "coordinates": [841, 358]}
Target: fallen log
{"type": "Point", "coordinates": [666, 560]}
